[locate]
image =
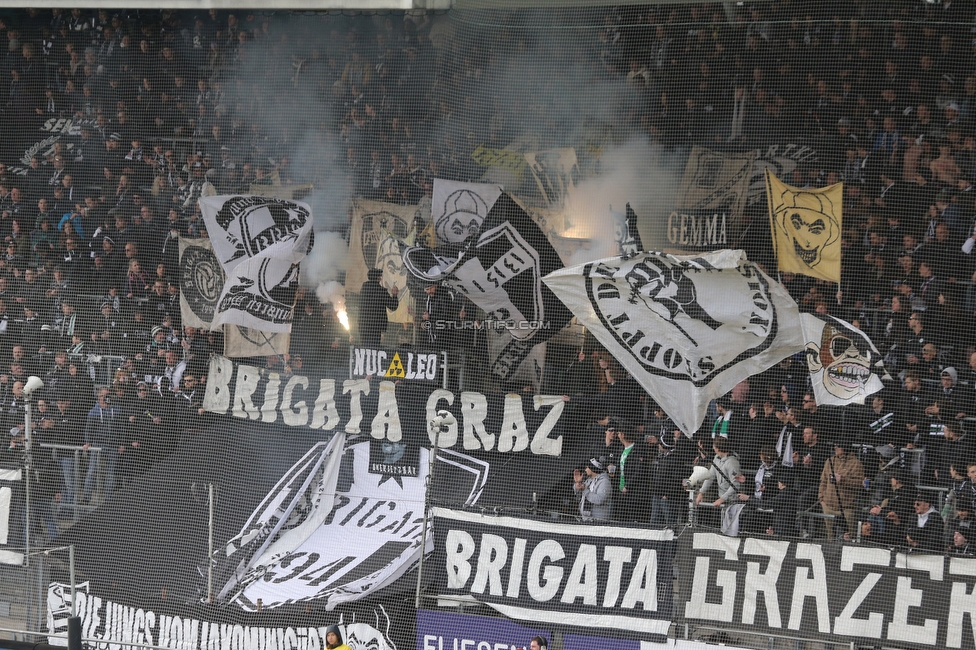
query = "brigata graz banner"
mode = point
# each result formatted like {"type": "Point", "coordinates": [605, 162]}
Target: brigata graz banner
{"type": "Point", "coordinates": [614, 579]}
{"type": "Point", "coordinates": [386, 410]}
{"type": "Point", "coordinates": [836, 593]}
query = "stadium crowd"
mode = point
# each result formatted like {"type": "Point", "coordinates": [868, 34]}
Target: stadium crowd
{"type": "Point", "coordinates": [155, 109]}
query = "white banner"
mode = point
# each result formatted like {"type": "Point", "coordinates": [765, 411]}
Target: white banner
{"type": "Point", "coordinates": [242, 341]}
{"type": "Point", "coordinates": [305, 514]}
{"type": "Point", "coordinates": [689, 327]}
{"type": "Point", "coordinates": [844, 365]}
{"type": "Point", "coordinates": [242, 227]}
{"type": "Point", "coordinates": [457, 210]}
{"type": "Point", "coordinates": [260, 242]}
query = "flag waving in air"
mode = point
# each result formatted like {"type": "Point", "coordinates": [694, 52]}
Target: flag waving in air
{"type": "Point", "coordinates": [806, 228]}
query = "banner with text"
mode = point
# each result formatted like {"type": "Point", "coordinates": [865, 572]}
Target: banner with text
{"type": "Point", "coordinates": [835, 593]}
{"type": "Point", "coordinates": [610, 578]}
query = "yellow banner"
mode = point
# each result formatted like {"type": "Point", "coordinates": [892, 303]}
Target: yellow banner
{"type": "Point", "coordinates": [806, 228]}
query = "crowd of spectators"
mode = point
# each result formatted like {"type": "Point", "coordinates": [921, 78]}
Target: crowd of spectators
{"type": "Point", "coordinates": [159, 108]}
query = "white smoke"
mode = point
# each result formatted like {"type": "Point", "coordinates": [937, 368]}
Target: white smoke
{"type": "Point", "coordinates": [633, 173]}
{"type": "Point", "coordinates": [333, 292]}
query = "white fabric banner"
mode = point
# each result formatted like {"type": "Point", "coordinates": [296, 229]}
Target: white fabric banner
{"type": "Point", "coordinates": [247, 342]}
{"type": "Point", "coordinates": [457, 210]}
{"type": "Point", "coordinates": [259, 293]}
{"type": "Point", "coordinates": [259, 241]}
{"type": "Point", "coordinates": [845, 366]}
{"type": "Point", "coordinates": [304, 516]}
{"type": "Point", "coordinates": [688, 328]}
{"type": "Point", "coordinates": [243, 227]}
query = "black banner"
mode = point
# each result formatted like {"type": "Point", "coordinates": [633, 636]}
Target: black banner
{"type": "Point", "coordinates": [835, 593]}
{"type": "Point", "coordinates": [411, 365]}
{"type": "Point", "coordinates": [611, 578]}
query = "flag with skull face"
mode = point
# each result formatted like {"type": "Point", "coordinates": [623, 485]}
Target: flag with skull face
{"type": "Point", "coordinates": [806, 227]}
{"type": "Point", "coordinates": [845, 366]}
{"type": "Point", "coordinates": [457, 210]}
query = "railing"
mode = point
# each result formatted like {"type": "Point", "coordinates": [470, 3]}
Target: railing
{"type": "Point", "coordinates": [75, 506]}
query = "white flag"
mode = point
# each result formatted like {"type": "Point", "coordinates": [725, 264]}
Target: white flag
{"type": "Point", "coordinates": [259, 241]}
{"type": "Point", "coordinates": [688, 328]}
{"type": "Point", "coordinates": [242, 227]}
{"type": "Point", "coordinates": [457, 210]}
{"type": "Point", "coordinates": [845, 366]}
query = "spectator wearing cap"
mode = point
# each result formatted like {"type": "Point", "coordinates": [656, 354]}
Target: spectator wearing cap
{"type": "Point", "coordinates": [594, 490]}
{"type": "Point", "coordinates": [925, 528]}
{"type": "Point", "coordinates": [841, 482]}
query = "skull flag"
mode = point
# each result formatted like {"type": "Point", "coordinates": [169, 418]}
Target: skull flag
{"type": "Point", "coordinates": [688, 328]}
{"type": "Point", "coordinates": [806, 228]}
{"type": "Point", "coordinates": [844, 365]}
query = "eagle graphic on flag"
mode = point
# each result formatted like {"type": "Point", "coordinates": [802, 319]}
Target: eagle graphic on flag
{"type": "Point", "coordinates": [806, 228]}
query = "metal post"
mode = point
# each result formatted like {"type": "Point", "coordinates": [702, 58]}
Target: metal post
{"type": "Point", "coordinates": [427, 491]}
{"type": "Point", "coordinates": [210, 543]}
{"type": "Point", "coordinates": [75, 488]}
{"type": "Point", "coordinates": [74, 633]}
{"type": "Point", "coordinates": [28, 467]}
{"type": "Point", "coordinates": [71, 577]}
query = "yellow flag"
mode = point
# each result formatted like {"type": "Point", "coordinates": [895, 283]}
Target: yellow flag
{"type": "Point", "coordinates": [806, 228]}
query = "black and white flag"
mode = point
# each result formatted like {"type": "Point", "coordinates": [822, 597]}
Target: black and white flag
{"type": "Point", "coordinates": [260, 242]}
{"type": "Point", "coordinates": [309, 514]}
{"type": "Point", "coordinates": [201, 282]}
{"type": "Point", "coordinates": [501, 272]}
{"type": "Point", "coordinates": [457, 210]}
{"type": "Point", "coordinates": [688, 328]}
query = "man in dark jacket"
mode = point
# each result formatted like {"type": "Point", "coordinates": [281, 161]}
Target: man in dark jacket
{"type": "Point", "coordinates": [374, 300]}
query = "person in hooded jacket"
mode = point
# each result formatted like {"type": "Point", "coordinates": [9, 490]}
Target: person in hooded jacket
{"type": "Point", "coordinates": [333, 639]}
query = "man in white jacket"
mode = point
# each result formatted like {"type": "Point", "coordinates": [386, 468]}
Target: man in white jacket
{"type": "Point", "coordinates": [594, 490]}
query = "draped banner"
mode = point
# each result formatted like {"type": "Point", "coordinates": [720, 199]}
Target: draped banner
{"type": "Point", "coordinates": [370, 223]}
{"type": "Point", "coordinates": [710, 200]}
{"type": "Point", "coordinates": [715, 181]}
{"type": "Point", "coordinates": [845, 366]}
{"type": "Point", "coordinates": [449, 631]}
{"type": "Point", "coordinates": [688, 328]}
{"type": "Point", "coordinates": [511, 164]}
{"type": "Point", "coordinates": [806, 228]}
{"type": "Point", "coordinates": [610, 578]}
{"type": "Point", "coordinates": [389, 259]}
{"type": "Point", "coordinates": [412, 365]}
{"type": "Point", "coordinates": [260, 242]}
{"type": "Point", "coordinates": [378, 625]}
{"type": "Point", "coordinates": [835, 593]}
{"type": "Point", "coordinates": [501, 272]}
{"type": "Point", "coordinates": [201, 282]}
{"type": "Point", "coordinates": [496, 423]}
{"type": "Point", "coordinates": [242, 341]}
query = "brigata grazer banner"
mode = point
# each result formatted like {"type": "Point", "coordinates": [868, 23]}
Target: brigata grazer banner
{"type": "Point", "coordinates": [612, 579]}
{"type": "Point", "coordinates": [836, 593]}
